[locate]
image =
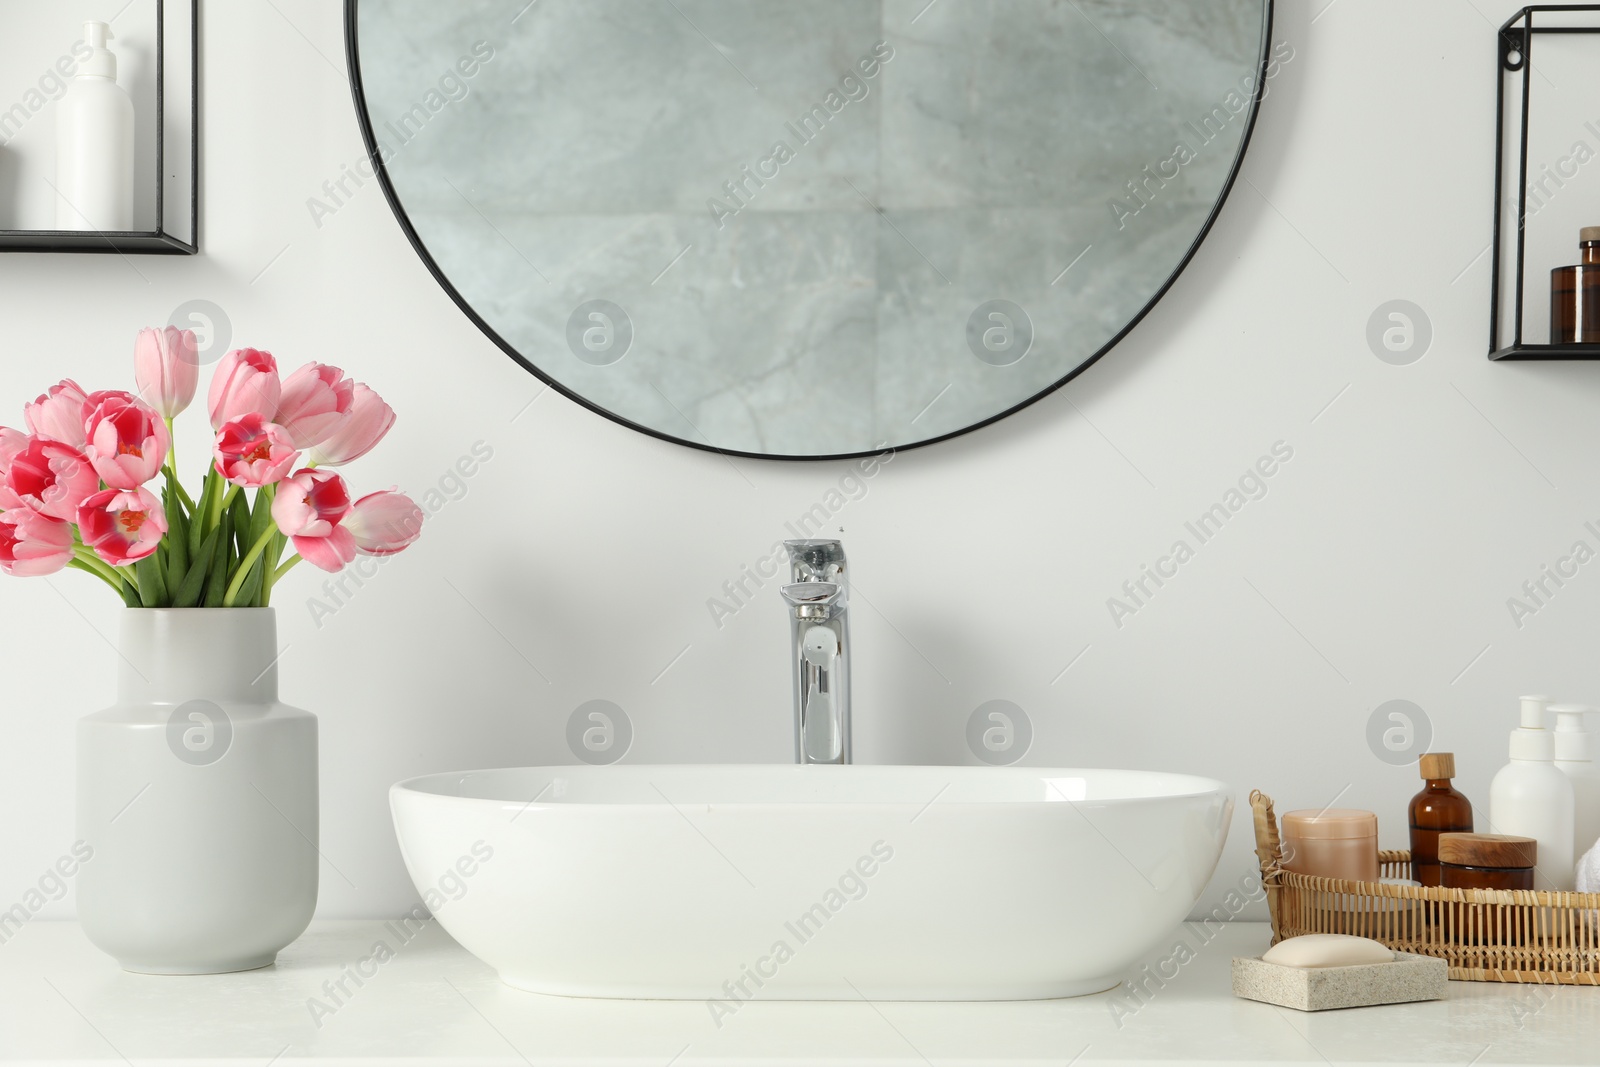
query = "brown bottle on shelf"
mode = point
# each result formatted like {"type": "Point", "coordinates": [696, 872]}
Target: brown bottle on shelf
{"type": "Point", "coordinates": [1575, 294]}
{"type": "Point", "coordinates": [1438, 809]}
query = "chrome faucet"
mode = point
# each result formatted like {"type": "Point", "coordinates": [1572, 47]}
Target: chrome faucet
{"type": "Point", "coordinates": [819, 626]}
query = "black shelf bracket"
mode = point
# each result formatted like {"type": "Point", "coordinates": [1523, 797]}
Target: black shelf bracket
{"type": "Point", "coordinates": [1514, 61]}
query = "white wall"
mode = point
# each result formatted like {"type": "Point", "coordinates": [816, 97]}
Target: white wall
{"type": "Point", "coordinates": [579, 562]}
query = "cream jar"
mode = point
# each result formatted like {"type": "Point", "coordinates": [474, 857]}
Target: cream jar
{"type": "Point", "coordinates": [1332, 843]}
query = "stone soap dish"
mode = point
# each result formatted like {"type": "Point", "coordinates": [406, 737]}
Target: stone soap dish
{"type": "Point", "coordinates": [1405, 979]}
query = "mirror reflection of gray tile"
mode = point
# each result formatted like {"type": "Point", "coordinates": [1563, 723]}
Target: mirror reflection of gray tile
{"type": "Point", "coordinates": [623, 105]}
{"type": "Point", "coordinates": [1020, 103]}
{"type": "Point", "coordinates": [753, 316]}
{"type": "Point", "coordinates": [801, 207]}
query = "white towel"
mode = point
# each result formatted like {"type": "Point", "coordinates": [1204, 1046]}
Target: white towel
{"type": "Point", "coordinates": [1589, 871]}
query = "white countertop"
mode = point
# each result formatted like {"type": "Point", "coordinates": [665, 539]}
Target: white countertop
{"type": "Point", "coordinates": [62, 1001]}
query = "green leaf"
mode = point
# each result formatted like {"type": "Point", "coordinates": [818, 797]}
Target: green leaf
{"type": "Point", "coordinates": [176, 543]}
{"type": "Point", "coordinates": [217, 580]}
{"type": "Point", "coordinates": [273, 554]}
{"type": "Point", "coordinates": [130, 595]}
{"type": "Point", "coordinates": [202, 515]}
{"type": "Point", "coordinates": [183, 496]}
{"type": "Point", "coordinates": [240, 513]}
{"type": "Point", "coordinates": [161, 569]}
{"type": "Point", "coordinates": [188, 594]}
{"type": "Point", "coordinates": [260, 517]}
{"type": "Point", "coordinates": [152, 583]}
{"type": "Point", "coordinates": [251, 589]}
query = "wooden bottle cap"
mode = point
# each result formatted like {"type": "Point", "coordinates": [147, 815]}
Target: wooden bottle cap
{"type": "Point", "coordinates": [1488, 850]}
{"type": "Point", "coordinates": [1589, 233]}
{"type": "Point", "coordinates": [1437, 765]}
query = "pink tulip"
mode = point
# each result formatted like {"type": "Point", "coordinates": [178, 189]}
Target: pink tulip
{"type": "Point", "coordinates": [384, 523]}
{"type": "Point", "coordinates": [308, 509]}
{"type": "Point", "coordinates": [367, 422]}
{"type": "Point", "coordinates": [316, 401]}
{"type": "Point", "coordinates": [122, 527]}
{"type": "Point", "coordinates": [58, 414]}
{"type": "Point", "coordinates": [100, 396]}
{"type": "Point", "coordinates": [246, 383]}
{"type": "Point", "coordinates": [50, 478]}
{"type": "Point", "coordinates": [166, 367]}
{"type": "Point", "coordinates": [252, 452]}
{"type": "Point", "coordinates": [11, 442]}
{"type": "Point", "coordinates": [32, 545]}
{"type": "Point", "coordinates": [128, 441]}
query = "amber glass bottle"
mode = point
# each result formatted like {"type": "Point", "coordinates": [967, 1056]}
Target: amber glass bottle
{"type": "Point", "coordinates": [1575, 294]}
{"type": "Point", "coordinates": [1438, 809]}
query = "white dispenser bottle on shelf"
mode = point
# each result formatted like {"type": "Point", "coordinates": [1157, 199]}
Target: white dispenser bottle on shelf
{"type": "Point", "coordinates": [94, 143]}
{"type": "Point", "coordinates": [1530, 798]}
{"type": "Point", "coordinates": [1575, 759]}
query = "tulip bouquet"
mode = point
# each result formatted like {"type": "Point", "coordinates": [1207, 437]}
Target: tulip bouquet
{"type": "Point", "coordinates": [74, 490]}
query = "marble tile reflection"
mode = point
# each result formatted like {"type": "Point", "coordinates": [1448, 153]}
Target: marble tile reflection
{"type": "Point", "coordinates": [732, 328]}
{"type": "Point", "coordinates": [1051, 263]}
{"type": "Point", "coordinates": [1037, 102]}
{"type": "Point", "coordinates": [633, 106]}
{"type": "Point", "coordinates": [799, 206]}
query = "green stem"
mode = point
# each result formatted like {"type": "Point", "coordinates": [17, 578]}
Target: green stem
{"type": "Point", "coordinates": [171, 471]}
{"type": "Point", "coordinates": [245, 565]}
{"type": "Point", "coordinates": [269, 493]}
{"type": "Point", "coordinates": [83, 554]}
{"type": "Point", "coordinates": [80, 565]}
{"type": "Point", "coordinates": [288, 565]}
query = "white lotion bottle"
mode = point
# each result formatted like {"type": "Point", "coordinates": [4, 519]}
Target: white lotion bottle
{"type": "Point", "coordinates": [1530, 798]}
{"type": "Point", "coordinates": [94, 143]}
{"type": "Point", "coordinates": [1575, 759]}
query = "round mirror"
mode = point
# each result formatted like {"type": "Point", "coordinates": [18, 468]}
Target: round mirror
{"type": "Point", "coordinates": [806, 228]}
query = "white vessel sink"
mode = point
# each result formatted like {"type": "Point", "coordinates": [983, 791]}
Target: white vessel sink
{"type": "Point", "coordinates": [729, 883]}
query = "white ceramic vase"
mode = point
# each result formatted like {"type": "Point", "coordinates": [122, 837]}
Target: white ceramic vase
{"type": "Point", "coordinates": [197, 792]}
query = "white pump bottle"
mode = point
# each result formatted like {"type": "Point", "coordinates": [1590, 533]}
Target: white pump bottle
{"type": "Point", "coordinates": [94, 144]}
{"type": "Point", "coordinates": [1575, 759]}
{"type": "Point", "coordinates": [1530, 798]}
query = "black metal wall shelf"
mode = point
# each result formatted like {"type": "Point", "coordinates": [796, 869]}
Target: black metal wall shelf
{"type": "Point", "coordinates": [160, 240]}
{"type": "Point", "coordinates": [1514, 61]}
{"type": "Point", "coordinates": [1529, 352]}
{"type": "Point", "coordinates": [153, 242]}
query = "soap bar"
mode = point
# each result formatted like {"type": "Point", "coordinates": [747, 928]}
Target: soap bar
{"type": "Point", "coordinates": [1327, 950]}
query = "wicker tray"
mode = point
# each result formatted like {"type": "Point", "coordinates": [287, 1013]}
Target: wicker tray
{"type": "Point", "coordinates": [1486, 935]}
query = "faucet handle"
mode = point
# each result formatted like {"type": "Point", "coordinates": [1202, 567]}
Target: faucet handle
{"type": "Point", "coordinates": [816, 560]}
{"type": "Point", "coordinates": [813, 600]}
